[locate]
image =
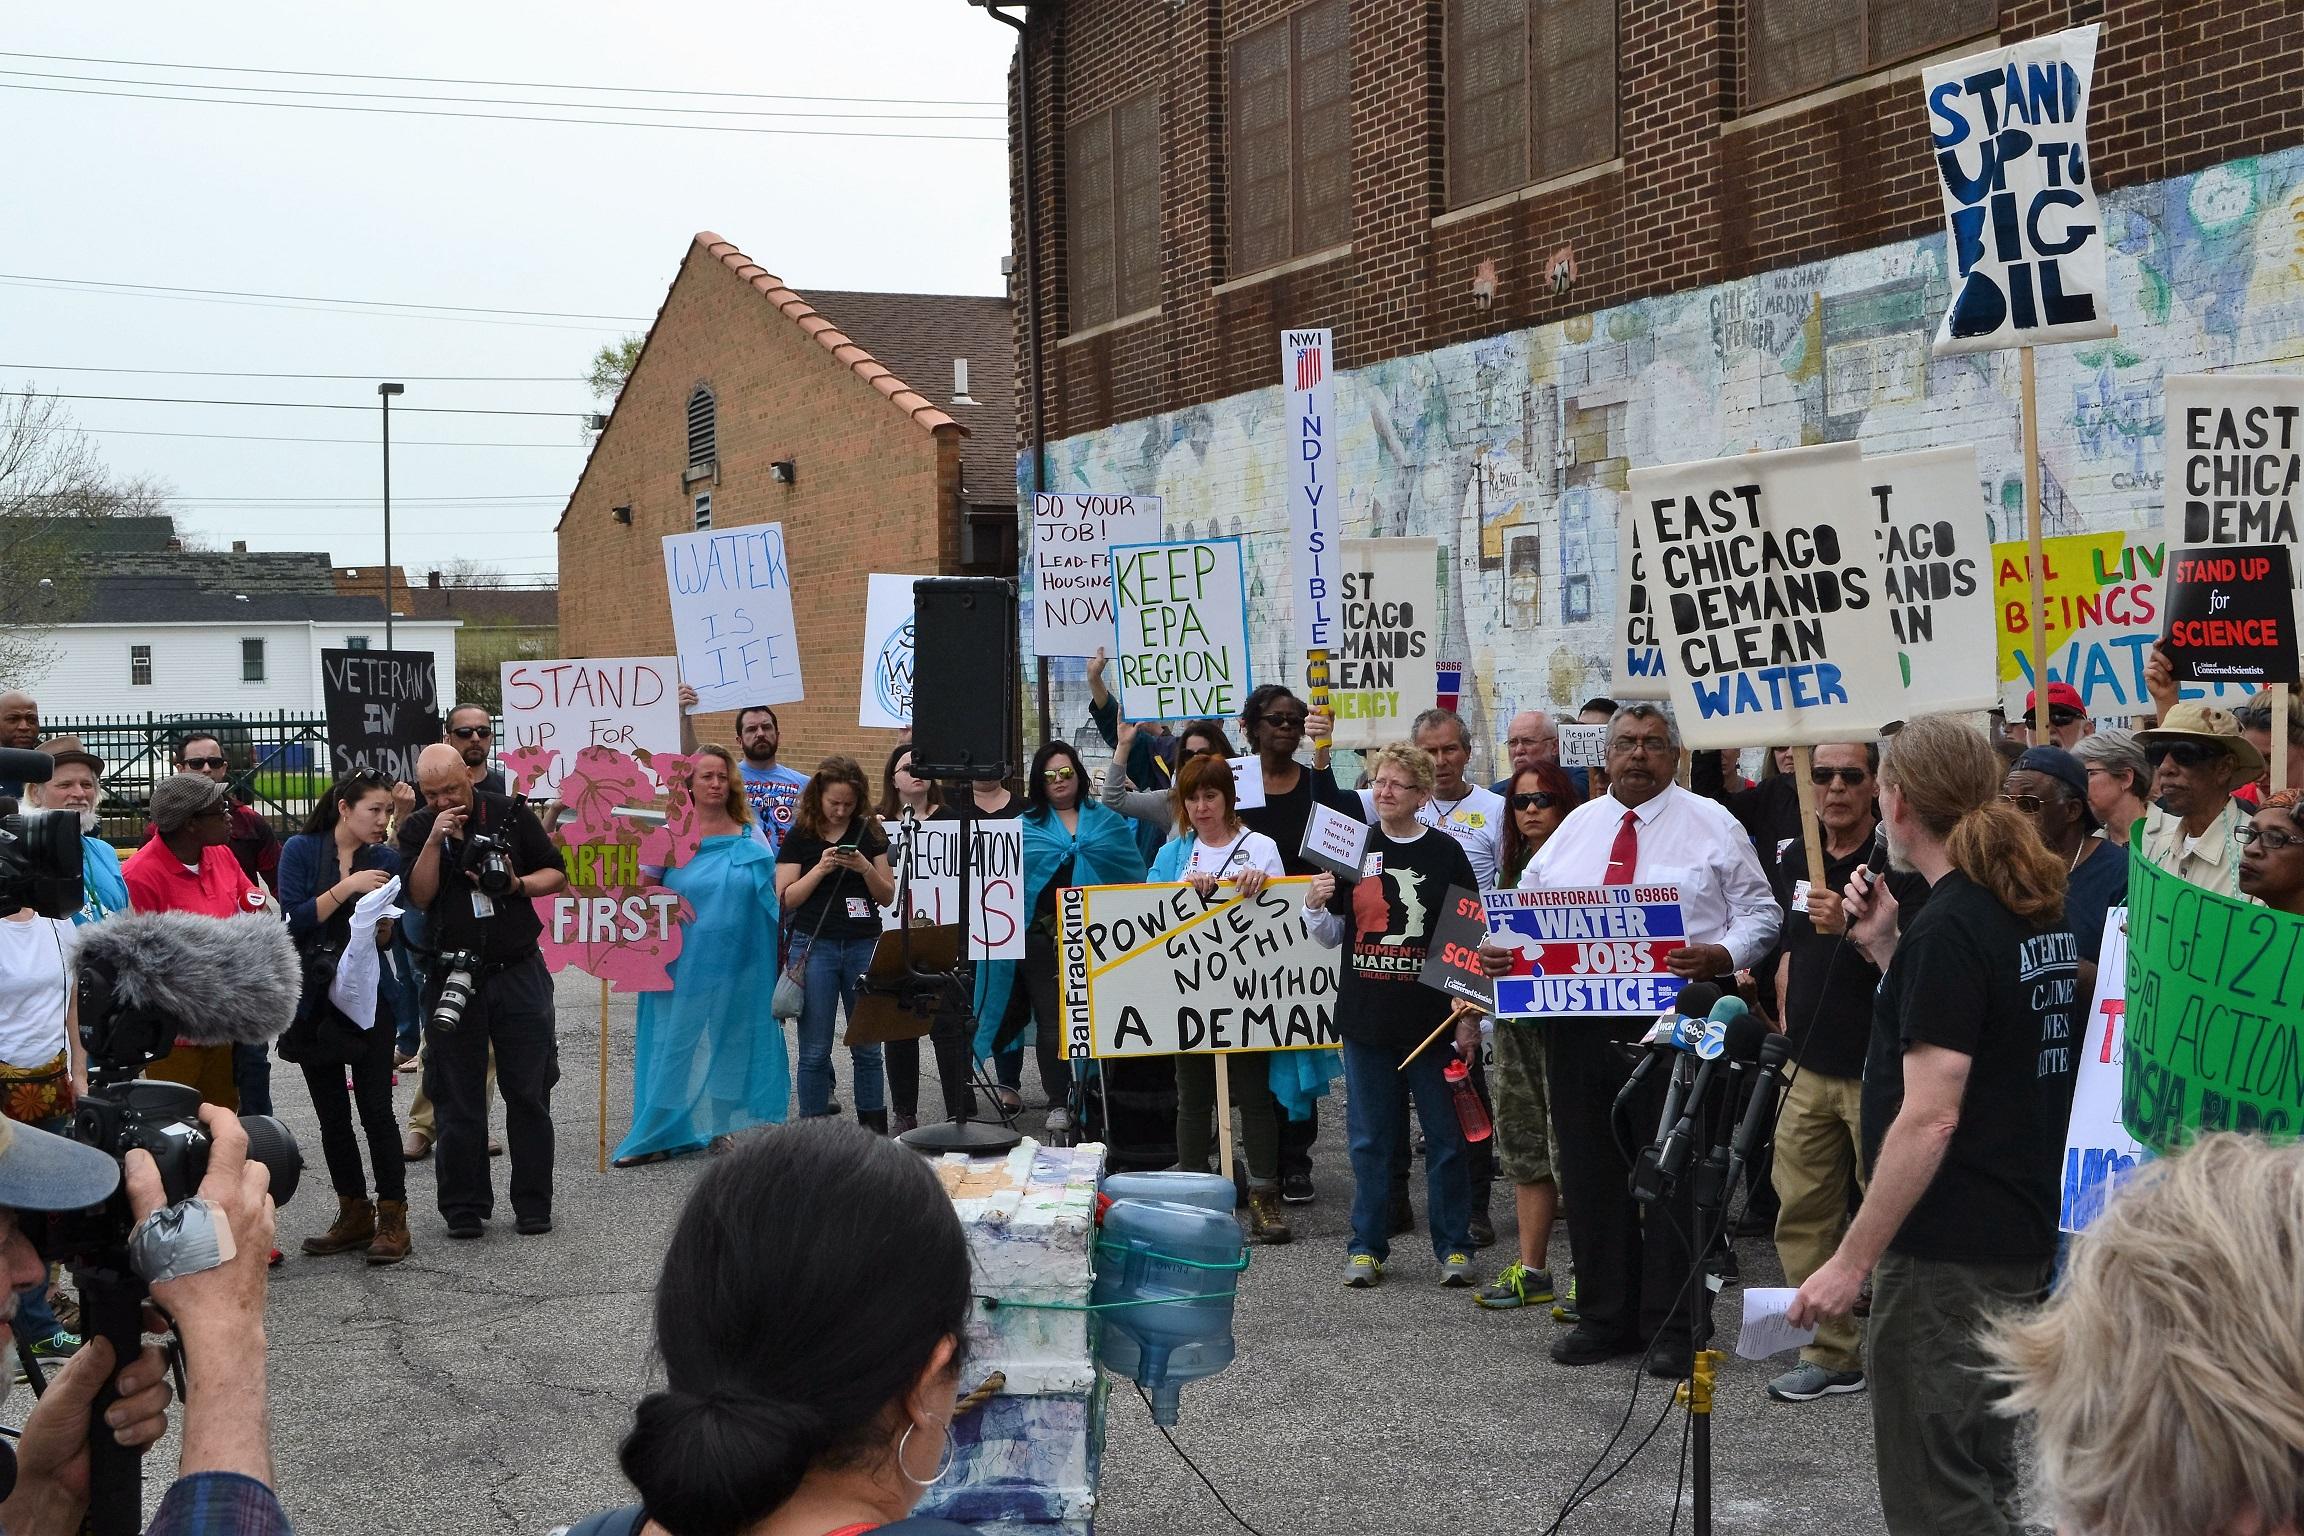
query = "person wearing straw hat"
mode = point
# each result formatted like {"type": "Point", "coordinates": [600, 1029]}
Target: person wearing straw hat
{"type": "Point", "coordinates": [76, 786]}
{"type": "Point", "coordinates": [2198, 759]}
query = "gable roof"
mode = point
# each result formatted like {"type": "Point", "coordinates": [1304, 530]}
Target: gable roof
{"type": "Point", "coordinates": [158, 600]}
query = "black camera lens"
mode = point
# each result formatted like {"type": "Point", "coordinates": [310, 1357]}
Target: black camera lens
{"type": "Point", "coordinates": [40, 863]}
{"type": "Point", "coordinates": [274, 1145]}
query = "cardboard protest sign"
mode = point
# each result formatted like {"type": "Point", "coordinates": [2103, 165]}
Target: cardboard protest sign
{"type": "Point", "coordinates": [732, 616]}
{"type": "Point", "coordinates": [1071, 575]}
{"type": "Point", "coordinates": [2024, 240]}
{"type": "Point", "coordinates": [1773, 624]}
{"type": "Point", "coordinates": [1383, 676]}
{"type": "Point", "coordinates": [1247, 782]}
{"type": "Point", "coordinates": [1156, 970]}
{"type": "Point", "coordinates": [884, 693]}
{"type": "Point", "coordinates": [2232, 615]}
{"type": "Point", "coordinates": [2098, 1151]}
{"type": "Point", "coordinates": [2234, 472]}
{"type": "Point", "coordinates": [1583, 746]}
{"type": "Point", "coordinates": [1334, 841]}
{"type": "Point", "coordinates": [1452, 964]}
{"type": "Point", "coordinates": [1636, 659]}
{"type": "Point", "coordinates": [613, 921]}
{"type": "Point", "coordinates": [1597, 950]}
{"type": "Point", "coordinates": [926, 864]}
{"type": "Point", "coordinates": [555, 709]}
{"type": "Point", "coordinates": [383, 707]}
{"type": "Point", "coordinates": [2215, 1014]}
{"type": "Point", "coordinates": [1935, 545]}
{"type": "Point", "coordinates": [1315, 501]}
{"type": "Point", "coordinates": [1181, 617]}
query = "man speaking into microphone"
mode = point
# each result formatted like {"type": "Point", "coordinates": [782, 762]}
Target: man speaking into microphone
{"type": "Point", "coordinates": [475, 862]}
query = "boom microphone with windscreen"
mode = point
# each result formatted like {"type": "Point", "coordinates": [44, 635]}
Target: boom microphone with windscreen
{"type": "Point", "coordinates": [151, 979]}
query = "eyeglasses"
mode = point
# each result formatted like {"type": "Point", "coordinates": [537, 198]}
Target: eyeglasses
{"type": "Point", "coordinates": [1287, 722]}
{"type": "Point", "coordinates": [204, 762]}
{"type": "Point", "coordinates": [1652, 746]}
{"type": "Point", "coordinates": [2028, 804]}
{"type": "Point", "coordinates": [467, 732]}
{"type": "Point", "coordinates": [218, 809]}
{"type": "Point", "coordinates": [2269, 837]}
{"type": "Point", "coordinates": [1057, 775]}
{"type": "Point", "coordinates": [1848, 776]}
{"type": "Point", "coordinates": [1535, 800]}
{"type": "Point", "coordinates": [2065, 717]}
{"type": "Point", "coordinates": [2188, 754]}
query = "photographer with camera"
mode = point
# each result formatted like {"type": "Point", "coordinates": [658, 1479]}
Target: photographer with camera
{"type": "Point", "coordinates": [474, 860]}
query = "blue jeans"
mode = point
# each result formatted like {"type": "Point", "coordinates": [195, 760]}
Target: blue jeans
{"type": "Point", "coordinates": [404, 984]}
{"type": "Point", "coordinates": [833, 967]}
{"type": "Point", "coordinates": [1374, 1087]}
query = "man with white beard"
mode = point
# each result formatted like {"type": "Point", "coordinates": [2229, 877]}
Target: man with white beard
{"type": "Point", "coordinates": [76, 786]}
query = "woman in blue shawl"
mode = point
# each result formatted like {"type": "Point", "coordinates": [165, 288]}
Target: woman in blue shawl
{"type": "Point", "coordinates": [708, 1061]}
{"type": "Point", "coordinates": [1068, 840]}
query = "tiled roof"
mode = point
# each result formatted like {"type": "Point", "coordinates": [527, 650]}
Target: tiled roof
{"type": "Point", "coordinates": [182, 600]}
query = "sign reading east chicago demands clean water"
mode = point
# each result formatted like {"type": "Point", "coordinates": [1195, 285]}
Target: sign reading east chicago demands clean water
{"type": "Point", "coordinates": [927, 870]}
{"type": "Point", "coordinates": [2022, 231]}
{"type": "Point", "coordinates": [2235, 462]}
{"type": "Point", "coordinates": [1158, 970]}
{"type": "Point", "coordinates": [1181, 629]}
{"type": "Point", "coordinates": [1934, 543]}
{"type": "Point", "coordinates": [1072, 537]}
{"type": "Point", "coordinates": [1315, 500]}
{"type": "Point", "coordinates": [1636, 667]}
{"type": "Point", "coordinates": [1383, 673]}
{"type": "Point", "coordinates": [1600, 950]}
{"type": "Point", "coordinates": [732, 616]}
{"type": "Point", "coordinates": [884, 692]}
{"type": "Point", "coordinates": [383, 708]}
{"type": "Point", "coordinates": [558, 708]}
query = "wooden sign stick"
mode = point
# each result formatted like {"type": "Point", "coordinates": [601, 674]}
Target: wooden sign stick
{"type": "Point", "coordinates": [603, 1075]}
{"type": "Point", "coordinates": [1465, 1008]}
{"type": "Point", "coordinates": [2279, 779]}
{"type": "Point", "coordinates": [1811, 835]}
{"type": "Point", "coordinates": [1224, 1112]}
{"type": "Point", "coordinates": [2036, 556]}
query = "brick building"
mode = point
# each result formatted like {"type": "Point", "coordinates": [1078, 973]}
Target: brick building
{"type": "Point", "coordinates": [838, 415]}
{"type": "Point", "coordinates": [1560, 238]}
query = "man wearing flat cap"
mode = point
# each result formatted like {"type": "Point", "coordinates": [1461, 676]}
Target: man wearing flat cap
{"type": "Point", "coordinates": [2198, 758]}
{"type": "Point", "coordinates": [76, 787]}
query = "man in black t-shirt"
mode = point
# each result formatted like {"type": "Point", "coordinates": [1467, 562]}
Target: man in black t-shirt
{"type": "Point", "coordinates": [511, 1003]}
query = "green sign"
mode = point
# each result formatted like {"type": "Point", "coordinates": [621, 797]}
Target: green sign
{"type": "Point", "coordinates": [2215, 1022]}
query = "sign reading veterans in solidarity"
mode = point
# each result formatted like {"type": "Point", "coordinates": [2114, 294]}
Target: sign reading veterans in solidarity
{"type": "Point", "coordinates": [1599, 950]}
{"type": "Point", "coordinates": [2098, 1151]}
{"type": "Point", "coordinates": [1315, 501]}
{"type": "Point", "coordinates": [2232, 615]}
{"type": "Point", "coordinates": [383, 708]}
{"type": "Point", "coordinates": [2215, 1014]}
{"type": "Point", "coordinates": [1773, 623]}
{"type": "Point", "coordinates": [2022, 231]}
{"type": "Point", "coordinates": [1636, 665]}
{"type": "Point", "coordinates": [555, 709]}
{"type": "Point", "coordinates": [927, 869]}
{"type": "Point", "coordinates": [884, 692]}
{"type": "Point", "coordinates": [2234, 472]}
{"type": "Point", "coordinates": [1384, 672]}
{"type": "Point", "coordinates": [732, 616]}
{"type": "Point", "coordinates": [1181, 612]}
{"type": "Point", "coordinates": [1935, 548]}
{"type": "Point", "coordinates": [1156, 970]}
{"type": "Point", "coordinates": [1072, 537]}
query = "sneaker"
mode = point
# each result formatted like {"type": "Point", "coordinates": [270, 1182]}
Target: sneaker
{"type": "Point", "coordinates": [1671, 1360]}
{"type": "Point", "coordinates": [60, 1345]}
{"type": "Point", "coordinates": [1564, 1310]}
{"type": "Point", "coordinates": [1456, 1271]}
{"type": "Point", "coordinates": [1516, 1286]}
{"type": "Point", "coordinates": [1296, 1187]}
{"type": "Point", "coordinates": [1059, 1119]}
{"type": "Point", "coordinates": [532, 1226]}
{"type": "Point", "coordinates": [1805, 1383]}
{"type": "Point", "coordinates": [1363, 1271]}
{"type": "Point", "coordinates": [464, 1228]}
{"type": "Point", "coordinates": [899, 1124]}
{"type": "Point", "coordinates": [1399, 1215]}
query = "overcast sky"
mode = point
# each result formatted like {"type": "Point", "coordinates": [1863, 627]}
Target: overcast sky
{"type": "Point", "coordinates": [449, 211]}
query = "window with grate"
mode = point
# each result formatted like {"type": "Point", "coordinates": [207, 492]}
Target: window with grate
{"type": "Point", "coordinates": [704, 510]}
{"type": "Point", "coordinates": [1531, 92]}
{"type": "Point", "coordinates": [703, 426]}
{"type": "Point", "coordinates": [1291, 136]}
{"type": "Point", "coordinates": [140, 666]}
{"type": "Point", "coordinates": [1805, 45]}
{"type": "Point", "coordinates": [252, 661]}
{"type": "Point", "coordinates": [1112, 212]}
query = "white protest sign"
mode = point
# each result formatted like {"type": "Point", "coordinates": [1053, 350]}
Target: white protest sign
{"type": "Point", "coordinates": [1636, 659]}
{"type": "Point", "coordinates": [1247, 782]}
{"type": "Point", "coordinates": [558, 708]}
{"type": "Point", "coordinates": [1936, 548]}
{"type": "Point", "coordinates": [1315, 500]}
{"type": "Point", "coordinates": [1773, 624]}
{"type": "Point", "coordinates": [2024, 238]}
{"type": "Point", "coordinates": [1180, 612]}
{"type": "Point", "coordinates": [1583, 746]}
{"type": "Point", "coordinates": [2234, 468]}
{"type": "Point", "coordinates": [1383, 674]}
{"type": "Point", "coordinates": [732, 616]}
{"type": "Point", "coordinates": [884, 693]}
{"type": "Point", "coordinates": [1157, 970]}
{"type": "Point", "coordinates": [2098, 1151]}
{"type": "Point", "coordinates": [1334, 841]}
{"type": "Point", "coordinates": [1071, 578]}
{"type": "Point", "coordinates": [927, 870]}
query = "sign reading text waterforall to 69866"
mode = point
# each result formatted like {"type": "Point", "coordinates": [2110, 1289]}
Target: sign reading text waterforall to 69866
{"type": "Point", "coordinates": [1159, 970]}
{"type": "Point", "coordinates": [1071, 579]}
{"type": "Point", "coordinates": [1599, 950]}
{"type": "Point", "coordinates": [1181, 618]}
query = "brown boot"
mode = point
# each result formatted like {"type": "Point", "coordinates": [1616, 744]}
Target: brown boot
{"type": "Point", "coordinates": [391, 1244]}
{"type": "Point", "coordinates": [355, 1226]}
{"type": "Point", "coordinates": [1267, 1220]}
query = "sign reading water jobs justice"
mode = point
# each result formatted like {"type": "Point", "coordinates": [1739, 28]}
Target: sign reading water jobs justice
{"type": "Point", "coordinates": [1599, 950]}
{"type": "Point", "coordinates": [1072, 538]}
{"type": "Point", "coordinates": [2232, 615]}
{"type": "Point", "coordinates": [1181, 629]}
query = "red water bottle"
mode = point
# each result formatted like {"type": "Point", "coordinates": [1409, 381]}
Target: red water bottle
{"type": "Point", "coordinates": [1471, 1114]}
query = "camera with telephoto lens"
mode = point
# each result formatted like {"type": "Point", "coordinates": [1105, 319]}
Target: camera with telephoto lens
{"type": "Point", "coordinates": [490, 861]}
{"type": "Point", "coordinates": [459, 980]}
{"type": "Point", "coordinates": [39, 850]}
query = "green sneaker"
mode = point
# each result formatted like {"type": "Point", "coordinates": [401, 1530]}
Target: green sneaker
{"type": "Point", "coordinates": [59, 1345]}
{"type": "Point", "coordinates": [1564, 1311]}
{"type": "Point", "coordinates": [1456, 1271]}
{"type": "Point", "coordinates": [1517, 1286]}
{"type": "Point", "coordinates": [1362, 1272]}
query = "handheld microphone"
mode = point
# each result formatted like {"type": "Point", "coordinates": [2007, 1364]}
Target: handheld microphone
{"type": "Point", "coordinates": [1737, 1040]}
{"type": "Point", "coordinates": [149, 979]}
{"type": "Point", "coordinates": [1877, 861]}
{"type": "Point", "coordinates": [1760, 1110]}
{"type": "Point", "coordinates": [26, 766]}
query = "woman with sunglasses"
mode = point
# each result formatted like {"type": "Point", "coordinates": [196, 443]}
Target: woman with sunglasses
{"type": "Point", "coordinates": [1536, 801]}
{"type": "Point", "coordinates": [2272, 852]}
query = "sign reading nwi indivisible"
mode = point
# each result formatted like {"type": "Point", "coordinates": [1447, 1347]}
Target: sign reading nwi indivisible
{"type": "Point", "coordinates": [1773, 624]}
{"type": "Point", "coordinates": [2234, 463]}
{"type": "Point", "coordinates": [2098, 1151]}
{"type": "Point", "coordinates": [1935, 549]}
{"type": "Point", "coordinates": [2215, 1014]}
{"type": "Point", "coordinates": [1072, 537]}
{"type": "Point", "coordinates": [1159, 970]}
{"type": "Point", "coordinates": [1384, 673]}
{"type": "Point", "coordinates": [1636, 661]}
{"type": "Point", "coordinates": [1181, 629]}
{"type": "Point", "coordinates": [732, 616]}
{"type": "Point", "coordinates": [926, 864]}
{"type": "Point", "coordinates": [884, 692]}
{"type": "Point", "coordinates": [555, 709]}
{"type": "Point", "coordinates": [1315, 500]}
{"type": "Point", "coordinates": [2023, 234]}
{"type": "Point", "coordinates": [1600, 950]}
{"type": "Point", "coordinates": [383, 708]}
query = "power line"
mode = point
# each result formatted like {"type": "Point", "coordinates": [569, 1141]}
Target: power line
{"type": "Point", "coordinates": [368, 443]}
{"type": "Point", "coordinates": [311, 309]}
{"type": "Point", "coordinates": [371, 375]}
{"type": "Point", "coordinates": [307, 298]}
{"type": "Point", "coordinates": [370, 501]}
{"type": "Point", "coordinates": [291, 405]}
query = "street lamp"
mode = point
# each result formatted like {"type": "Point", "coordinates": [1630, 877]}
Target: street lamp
{"type": "Point", "coordinates": [385, 392]}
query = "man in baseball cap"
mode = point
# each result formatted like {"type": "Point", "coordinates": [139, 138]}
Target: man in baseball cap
{"type": "Point", "coordinates": [2198, 758]}
{"type": "Point", "coordinates": [188, 866]}
{"type": "Point", "coordinates": [2067, 716]}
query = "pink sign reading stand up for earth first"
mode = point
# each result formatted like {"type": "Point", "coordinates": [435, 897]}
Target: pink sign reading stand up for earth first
{"type": "Point", "coordinates": [613, 922]}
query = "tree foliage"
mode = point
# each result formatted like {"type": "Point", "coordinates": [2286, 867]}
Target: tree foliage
{"type": "Point", "coordinates": [612, 365]}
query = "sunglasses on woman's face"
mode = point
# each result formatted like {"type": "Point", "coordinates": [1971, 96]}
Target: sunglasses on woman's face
{"type": "Point", "coordinates": [1848, 776]}
{"type": "Point", "coordinates": [1534, 800]}
{"type": "Point", "coordinates": [1287, 722]}
{"type": "Point", "coordinates": [1056, 774]}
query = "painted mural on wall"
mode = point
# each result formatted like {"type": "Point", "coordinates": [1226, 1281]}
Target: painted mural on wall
{"type": "Point", "coordinates": [1512, 450]}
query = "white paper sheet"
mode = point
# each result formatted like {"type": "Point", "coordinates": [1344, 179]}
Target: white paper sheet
{"type": "Point", "coordinates": [357, 969]}
{"type": "Point", "coordinates": [1766, 1331]}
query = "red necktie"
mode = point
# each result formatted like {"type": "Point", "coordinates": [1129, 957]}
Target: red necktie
{"type": "Point", "coordinates": [1624, 853]}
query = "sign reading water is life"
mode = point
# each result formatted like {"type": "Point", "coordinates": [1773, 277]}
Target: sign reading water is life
{"type": "Point", "coordinates": [732, 616]}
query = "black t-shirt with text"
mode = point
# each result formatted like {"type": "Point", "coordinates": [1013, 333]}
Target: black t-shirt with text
{"type": "Point", "coordinates": [1389, 915]}
{"type": "Point", "coordinates": [840, 902]}
{"type": "Point", "coordinates": [1828, 995]}
{"type": "Point", "coordinates": [454, 920]}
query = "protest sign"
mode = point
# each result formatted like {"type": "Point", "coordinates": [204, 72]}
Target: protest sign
{"type": "Point", "coordinates": [926, 863]}
{"type": "Point", "coordinates": [383, 707]}
{"type": "Point", "coordinates": [1315, 501]}
{"type": "Point", "coordinates": [1158, 970]}
{"type": "Point", "coordinates": [1597, 950]}
{"type": "Point", "coordinates": [613, 920]}
{"type": "Point", "coordinates": [1334, 841]}
{"type": "Point", "coordinates": [1636, 660]}
{"type": "Point", "coordinates": [884, 693]}
{"type": "Point", "coordinates": [1448, 685]}
{"type": "Point", "coordinates": [1773, 627]}
{"type": "Point", "coordinates": [2215, 1014]}
{"type": "Point", "coordinates": [1071, 575]}
{"type": "Point", "coordinates": [1384, 675]}
{"type": "Point", "coordinates": [2098, 1151]}
{"type": "Point", "coordinates": [1452, 963]}
{"type": "Point", "coordinates": [1935, 543]}
{"type": "Point", "coordinates": [555, 709]}
{"type": "Point", "coordinates": [2232, 615]}
{"type": "Point", "coordinates": [1181, 638]}
{"type": "Point", "coordinates": [1583, 746]}
{"type": "Point", "coordinates": [1247, 782]}
{"type": "Point", "coordinates": [2103, 597]}
{"type": "Point", "coordinates": [2023, 237]}
{"type": "Point", "coordinates": [2234, 469]}
{"type": "Point", "coordinates": [732, 616]}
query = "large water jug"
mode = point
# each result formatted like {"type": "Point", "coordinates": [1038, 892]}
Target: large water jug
{"type": "Point", "coordinates": [1210, 1190]}
{"type": "Point", "coordinates": [1165, 1278]}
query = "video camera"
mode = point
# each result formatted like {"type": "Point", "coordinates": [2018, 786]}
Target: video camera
{"type": "Point", "coordinates": [39, 850]}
